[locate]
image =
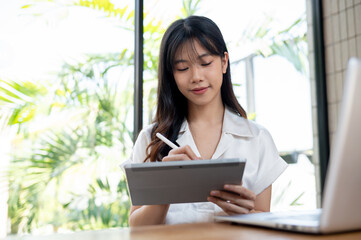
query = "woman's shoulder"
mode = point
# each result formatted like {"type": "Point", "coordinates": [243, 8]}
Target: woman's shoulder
{"type": "Point", "coordinates": [140, 146]}
{"type": "Point", "coordinates": [243, 126]}
{"type": "Point", "coordinates": [146, 132]}
{"type": "Point", "coordinates": [256, 127]}
{"type": "Point", "coordinates": [148, 128]}
{"type": "Point", "coordinates": [260, 133]}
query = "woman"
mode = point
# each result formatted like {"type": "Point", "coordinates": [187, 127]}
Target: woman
{"type": "Point", "coordinates": [197, 108]}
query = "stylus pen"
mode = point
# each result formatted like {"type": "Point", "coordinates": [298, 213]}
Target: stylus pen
{"type": "Point", "coordinates": [166, 140]}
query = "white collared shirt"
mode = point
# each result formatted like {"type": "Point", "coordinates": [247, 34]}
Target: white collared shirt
{"type": "Point", "coordinates": [240, 138]}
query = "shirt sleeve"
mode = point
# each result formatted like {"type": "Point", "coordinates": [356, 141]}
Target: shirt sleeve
{"type": "Point", "coordinates": [139, 150]}
{"type": "Point", "coordinates": [139, 154]}
{"type": "Point", "coordinates": [271, 165]}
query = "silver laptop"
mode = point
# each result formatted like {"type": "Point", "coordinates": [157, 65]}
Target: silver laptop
{"type": "Point", "coordinates": [341, 205]}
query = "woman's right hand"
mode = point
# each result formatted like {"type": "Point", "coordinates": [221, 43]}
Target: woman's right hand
{"type": "Point", "coordinates": [156, 214]}
{"type": "Point", "coordinates": [181, 153]}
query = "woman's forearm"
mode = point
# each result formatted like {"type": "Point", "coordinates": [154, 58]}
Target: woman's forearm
{"type": "Point", "coordinates": [148, 215]}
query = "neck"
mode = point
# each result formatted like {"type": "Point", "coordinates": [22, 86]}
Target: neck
{"type": "Point", "coordinates": [206, 114]}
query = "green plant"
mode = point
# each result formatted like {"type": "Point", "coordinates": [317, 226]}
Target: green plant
{"type": "Point", "coordinates": [92, 134]}
{"type": "Point", "coordinates": [20, 102]}
{"type": "Point", "coordinates": [105, 206]}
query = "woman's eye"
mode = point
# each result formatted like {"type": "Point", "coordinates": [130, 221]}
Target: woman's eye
{"type": "Point", "coordinates": [182, 69]}
{"type": "Point", "coordinates": [206, 64]}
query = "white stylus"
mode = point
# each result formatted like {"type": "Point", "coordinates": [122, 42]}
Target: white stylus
{"type": "Point", "coordinates": [167, 141]}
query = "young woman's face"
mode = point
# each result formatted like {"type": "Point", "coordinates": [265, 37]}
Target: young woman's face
{"type": "Point", "coordinates": [198, 74]}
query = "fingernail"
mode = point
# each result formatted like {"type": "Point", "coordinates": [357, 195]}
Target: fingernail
{"type": "Point", "coordinates": [215, 193]}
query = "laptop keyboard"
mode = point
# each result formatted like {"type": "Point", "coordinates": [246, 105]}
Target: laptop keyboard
{"type": "Point", "coordinates": [309, 216]}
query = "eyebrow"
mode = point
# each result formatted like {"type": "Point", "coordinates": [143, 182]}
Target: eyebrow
{"type": "Point", "coordinates": [199, 57]}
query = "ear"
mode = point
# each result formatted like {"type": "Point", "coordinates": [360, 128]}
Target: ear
{"type": "Point", "coordinates": [224, 61]}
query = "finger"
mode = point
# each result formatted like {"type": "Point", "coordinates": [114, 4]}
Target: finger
{"type": "Point", "coordinates": [229, 207]}
{"type": "Point", "coordinates": [184, 150]}
{"type": "Point", "coordinates": [241, 191]}
{"type": "Point", "coordinates": [178, 157]}
{"type": "Point", "coordinates": [234, 198]}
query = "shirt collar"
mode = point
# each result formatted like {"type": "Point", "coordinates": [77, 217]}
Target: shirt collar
{"type": "Point", "coordinates": [184, 126]}
{"type": "Point", "coordinates": [232, 124]}
{"type": "Point", "coordinates": [235, 124]}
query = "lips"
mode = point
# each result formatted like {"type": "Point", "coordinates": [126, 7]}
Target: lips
{"type": "Point", "coordinates": [200, 90]}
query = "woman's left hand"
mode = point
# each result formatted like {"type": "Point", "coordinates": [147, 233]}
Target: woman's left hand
{"type": "Point", "coordinates": [234, 199]}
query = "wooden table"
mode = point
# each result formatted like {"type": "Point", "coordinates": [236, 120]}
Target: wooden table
{"type": "Point", "coordinates": [207, 231]}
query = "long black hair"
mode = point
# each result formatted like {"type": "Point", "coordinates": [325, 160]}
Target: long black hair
{"type": "Point", "coordinates": [172, 108]}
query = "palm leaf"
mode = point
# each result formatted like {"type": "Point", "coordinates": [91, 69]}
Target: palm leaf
{"type": "Point", "coordinates": [20, 100]}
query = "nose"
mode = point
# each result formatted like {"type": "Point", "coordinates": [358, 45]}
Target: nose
{"type": "Point", "coordinates": [197, 75]}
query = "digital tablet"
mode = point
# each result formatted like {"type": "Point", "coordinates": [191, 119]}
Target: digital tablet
{"type": "Point", "coordinates": [153, 183]}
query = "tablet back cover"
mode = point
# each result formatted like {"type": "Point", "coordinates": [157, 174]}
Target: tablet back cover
{"type": "Point", "coordinates": [180, 181]}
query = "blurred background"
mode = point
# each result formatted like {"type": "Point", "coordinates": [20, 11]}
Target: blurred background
{"type": "Point", "coordinates": [66, 101]}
